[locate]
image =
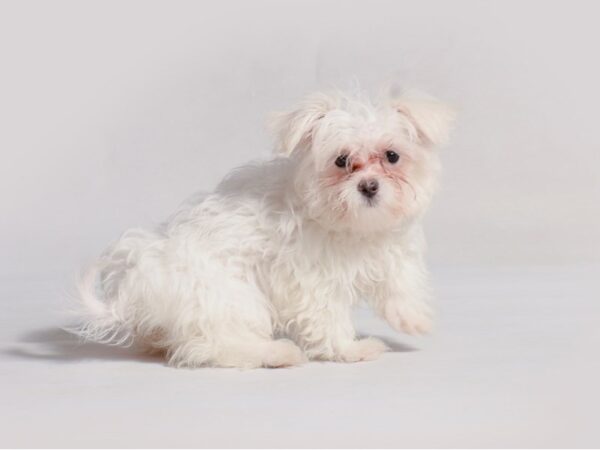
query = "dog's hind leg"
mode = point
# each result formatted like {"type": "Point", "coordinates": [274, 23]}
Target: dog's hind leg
{"type": "Point", "coordinates": [259, 353]}
{"type": "Point", "coordinates": [246, 353]}
{"type": "Point", "coordinates": [228, 324]}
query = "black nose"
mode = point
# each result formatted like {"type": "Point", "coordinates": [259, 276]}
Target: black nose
{"type": "Point", "coordinates": [368, 188]}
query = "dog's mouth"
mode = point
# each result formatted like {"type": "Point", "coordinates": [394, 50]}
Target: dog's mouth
{"type": "Point", "coordinates": [371, 202]}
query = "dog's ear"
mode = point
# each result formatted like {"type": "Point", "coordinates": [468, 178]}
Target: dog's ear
{"type": "Point", "coordinates": [432, 120]}
{"type": "Point", "coordinates": [295, 129]}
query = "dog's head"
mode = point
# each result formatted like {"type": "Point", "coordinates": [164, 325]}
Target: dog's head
{"type": "Point", "coordinates": [360, 165]}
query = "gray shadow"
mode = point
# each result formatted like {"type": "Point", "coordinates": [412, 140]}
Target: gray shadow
{"type": "Point", "coordinates": [56, 344]}
{"type": "Point", "coordinates": [393, 345]}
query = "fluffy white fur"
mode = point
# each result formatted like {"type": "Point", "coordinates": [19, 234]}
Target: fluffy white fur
{"type": "Point", "coordinates": [265, 270]}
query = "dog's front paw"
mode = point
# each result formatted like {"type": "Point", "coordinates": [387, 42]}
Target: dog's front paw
{"type": "Point", "coordinates": [363, 350]}
{"type": "Point", "coordinates": [410, 317]}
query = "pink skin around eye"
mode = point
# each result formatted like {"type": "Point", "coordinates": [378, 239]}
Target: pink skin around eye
{"type": "Point", "coordinates": [375, 164]}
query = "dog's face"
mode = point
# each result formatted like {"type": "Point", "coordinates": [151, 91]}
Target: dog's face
{"type": "Point", "coordinates": [360, 166]}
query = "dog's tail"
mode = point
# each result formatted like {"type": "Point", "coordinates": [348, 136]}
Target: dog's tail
{"type": "Point", "coordinates": [96, 319]}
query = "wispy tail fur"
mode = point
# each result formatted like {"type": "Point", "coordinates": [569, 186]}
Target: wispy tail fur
{"type": "Point", "coordinates": [96, 320]}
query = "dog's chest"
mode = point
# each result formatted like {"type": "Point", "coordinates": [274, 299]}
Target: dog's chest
{"type": "Point", "coordinates": [317, 261]}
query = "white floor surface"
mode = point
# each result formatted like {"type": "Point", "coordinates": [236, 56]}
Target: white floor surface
{"type": "Point", "coordinates": [514, 361]}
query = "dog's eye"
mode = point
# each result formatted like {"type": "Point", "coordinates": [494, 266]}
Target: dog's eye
{"type": "Point", "coordinates": [341, 161]}
{"type": "Point", "coordinates": [392, 156]}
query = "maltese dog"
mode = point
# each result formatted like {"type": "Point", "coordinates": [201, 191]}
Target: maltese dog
{"type": "Point", "coordinates": [265, 270]}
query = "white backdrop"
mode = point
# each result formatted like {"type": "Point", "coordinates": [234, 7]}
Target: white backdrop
{"type": "Point", "coordinates": [113, 113]}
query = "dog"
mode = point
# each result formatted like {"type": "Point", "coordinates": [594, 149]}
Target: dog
{"type": "Point", "coordinates": [265, 270]}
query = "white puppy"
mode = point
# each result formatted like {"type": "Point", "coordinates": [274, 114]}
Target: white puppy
{"type": "Point", "coordinates": [265, 270]}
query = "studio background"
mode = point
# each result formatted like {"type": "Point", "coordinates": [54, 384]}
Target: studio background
{"type": "Point", "coordinates": [112, 113]}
